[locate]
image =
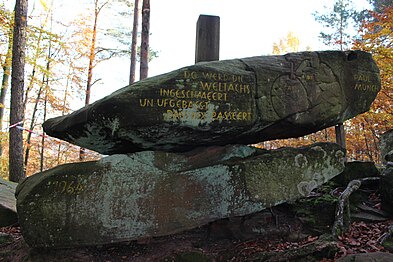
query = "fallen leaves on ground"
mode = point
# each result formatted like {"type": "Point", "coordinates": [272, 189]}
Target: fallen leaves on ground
{"type": "Point", "coordinates": [362, 238]}
{"type": "Point", "coordinates": [250, 247]}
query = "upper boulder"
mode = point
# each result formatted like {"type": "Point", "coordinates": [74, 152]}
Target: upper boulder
{"type": "Point", "coordinates": [238, 101]}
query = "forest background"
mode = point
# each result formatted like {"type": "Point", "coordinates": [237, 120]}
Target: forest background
{"type": "Point", "coordinates": [59, 68]}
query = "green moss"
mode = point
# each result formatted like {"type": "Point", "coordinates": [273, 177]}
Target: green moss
{"type": "Point", "coordinates": [5, 238]}
{"type": "Point", "coordinates": [317, 213]}
{"type": "Point", "coordinates": [388, 244]}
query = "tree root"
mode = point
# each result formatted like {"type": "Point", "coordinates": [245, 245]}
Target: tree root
{"type": "Point", "coordinates": [338, 226]}
{"type": "Point", "coordinates": [386, 236]}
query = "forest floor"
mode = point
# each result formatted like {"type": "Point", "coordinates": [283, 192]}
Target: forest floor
{"type": "Point", "coordinates": [194, 245]}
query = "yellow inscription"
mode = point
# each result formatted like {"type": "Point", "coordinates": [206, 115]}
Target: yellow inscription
{"type": "Point", "coordinates": [213, 76]}
{"type": "Point", "coordinates": [190, 75]}
{"type": "Point", "coordinates": [366, 87]}
{"type": "Point", "coordinates": [144, 102]}
{"type": "Point", "coordinates": [67, 187]}
{"type": "Point", "coordinates": [231, 116]}
{"type": "Point", "coordinates": [173, 103]}
{"type": "Point", "coordinates": [174, 115]}
{"type": "Point", "coordinates": [364, 83]}
{"type": "Point", "coordinates": [308, 77]}
{"type": "Point", "coordinates": [363, 78]}
{"type": "Point", "coordinates": [194, 98]}
{"type": "Point", "coordinates": [225, 87]}
{"type": "Point", "coordinates": [192, 94]}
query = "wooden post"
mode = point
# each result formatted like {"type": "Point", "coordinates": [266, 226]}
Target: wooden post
{"type": "Point", "coordinates": [207, 46]}
{"type": "Point", "coordinates": [340, 137]}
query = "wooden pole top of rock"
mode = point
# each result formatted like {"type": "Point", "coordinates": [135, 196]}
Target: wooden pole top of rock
{"type": "Point", "coordinates": [175, 143]}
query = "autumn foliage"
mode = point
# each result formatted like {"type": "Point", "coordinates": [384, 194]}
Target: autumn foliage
{"type": "Point", "coordinates": [362, 132]}
{"type": "Point", "coordinates": [365, 130]}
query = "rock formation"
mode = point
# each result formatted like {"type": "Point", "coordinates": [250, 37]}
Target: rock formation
{"type": "Point", "coordinates": [8, 214]}
{"type": "Point", "coordinates": [386, 185]}
{"type": "Point", "coordinates": [178, 162]}
{"type": "Point", "coordinates": [386, 146]}
{"type": "Point", "coordinates": [148, 194]}
{"type": "Point", "coordinates": [238, 101]}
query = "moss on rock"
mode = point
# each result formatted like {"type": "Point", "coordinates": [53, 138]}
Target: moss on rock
{"type": "Point", "coordinates": [126, 197]}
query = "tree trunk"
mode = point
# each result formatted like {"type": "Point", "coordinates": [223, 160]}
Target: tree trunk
{"type": "Point", "coordinates": [28, 139]}
{"type": "Point", "coordinates": [44, 80]}
{"type": "Point", "coordinates": [16, 168]}
{"type": "Point", "coordinates": [43, 136]}
{"type": "Point", "coordinates": [144, 66]}
{"type": "Point", "coordinates": [4, 86]}
{"type": "Point", "coordinates": [134, 41]}
{"type": "Point", "coordinates": [92, 57]}
{"type": "Point", "coordinates": [33, 71]}
{"type": "Point", "coordinates": [63, 111]}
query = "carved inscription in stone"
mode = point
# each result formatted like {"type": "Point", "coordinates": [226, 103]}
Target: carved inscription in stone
{"type": "Point", "coordinates": [69, 187]}
{"type": "Point", "coordinates": [201, 97]}
{"type": "Point", "coordinates": [365, 82]}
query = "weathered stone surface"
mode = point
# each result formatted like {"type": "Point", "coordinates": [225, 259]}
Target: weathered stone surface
{"type": "Point", "coordinates": [8, 214]}
{"type": "Point", "coordinates": [239, 101]}
{"type": "Point", "coordinates": [386, 188]}
{"type": "Point", "coordinates": [356, 170]}
{"type": "Point", "coordinates": [386, 146]}
{"type": "Point", "coordinates": [367, 257]}
{"type": "Point", "coordinates": [125, 197]}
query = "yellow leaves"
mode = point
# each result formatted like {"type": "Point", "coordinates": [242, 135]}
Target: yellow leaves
{"type": "Point", "coordinates": [44, 4]}
{"type": "Point", "coordinates": [290, 43]}
{"type": "Point", "coordinates": [376, 38]}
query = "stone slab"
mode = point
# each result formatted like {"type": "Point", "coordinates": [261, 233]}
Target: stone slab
{"type": "Point", "coordinates": [367, 257]}
{"type": "Point", "coordinates": [386, 189]}
{"type": "Point", "coordinates": [386, 146]}
{"type": "Point", "coordinates": [239, 101]}
{"type": "Point", "coordinates": [8, 214]}
{"type": "Point", "coordinates": [149, 194]}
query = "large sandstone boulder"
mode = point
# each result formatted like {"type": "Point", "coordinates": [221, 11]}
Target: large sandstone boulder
{"type": "Point", "coordinates": [238, 101]}
{"type": "Point", "coordinates": [386, 188]}
{"type": "Point", "coordinates": [356, 170]}
{"type": "Point", "coordinates": [386, 146]}
{"type": "Point", "coordinates": [126, 197]}
{"type": "Point", "coordinates": [367, 257]}
{"type": "Point", "coordinates": [8, 214]}
{"type": "Point", "coordinates": [386, 185]}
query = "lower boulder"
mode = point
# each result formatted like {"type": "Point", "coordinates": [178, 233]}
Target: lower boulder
{"type": "Point", "coordinates": [386, 189]}
{"type": "Point", "coordinates": [147, 194]}
{"type": "Point", "coordinates": [386, 146]}
{"type": "Point", "coordinates": [356, 170]}
{"type": "Point", "coordinates": [367, 257]}
{"type": "Point", "coordinates": [8, 214]}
